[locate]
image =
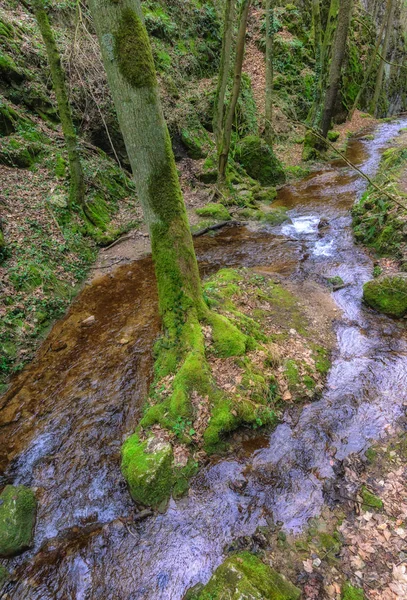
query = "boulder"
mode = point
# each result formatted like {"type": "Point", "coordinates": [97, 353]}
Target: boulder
{"type": "Point", "coordinates": [244, 577]}
{"type": "Point", "coordinates": [387, 294]}
{"type": "Point", "coordinates": [259, 161]}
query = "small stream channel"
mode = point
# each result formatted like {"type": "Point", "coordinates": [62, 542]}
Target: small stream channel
{"type": "Point", "coordinates": [65, 417]}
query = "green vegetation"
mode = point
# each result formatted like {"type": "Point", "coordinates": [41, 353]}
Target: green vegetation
{"type": "Point", "coordinates": [17, 518]}
{"type": "Point", "coordinates": [245, 576]}
{"type": "Point", "coordinates": [350, 592]}
{"type": "Point", "coordinates": [215, 211]}
{"type": "Point", "coordinates": [370, 500]}
{"type": "Point", "coordinates": [4, 575]}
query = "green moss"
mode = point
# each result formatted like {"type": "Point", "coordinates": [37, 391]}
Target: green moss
{"type": "Point", "coordinates": [245, 576]}
{"type": "Point", "coordinates": [215, 211]}
{"type": "Point", "coordinates": [321, 357]}
{"type": "Point", "coordinates": [333, 136]}
{"type": "Point", "coordinates": [228, 340]}
{"type": "Point", "coordinates": [147, 468]}
{"type": "Point", "coordinates": [291, 371]}
{"type": "Point", "coordinates": [336, 282]}
{"type": "Point", "coordinates": [133, 51]}
{"type": "Point", "coordinates": [196, 141]}
{"type": "Point", "coordinates": [387, 294]}
{"type": "Point", "coordinates": [259, 161]}
{"type": "Point", "coordinates": [349, 592]}
{"type": "Point", "coordinates": [370, 500]}
{"type": "Point", "coordinates": [17, 518]}
{"type": "Point", "coordinates": [4, 575]}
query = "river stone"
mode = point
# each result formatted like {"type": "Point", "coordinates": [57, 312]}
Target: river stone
{"type": "Point", "coordinates": [244, 577]}
{"type": "Point", "coordinates": [17, 518]}
{"type": "Point", "coordinates": [387, 294]}
{"type": "Point", "coordinates": [147, 468]}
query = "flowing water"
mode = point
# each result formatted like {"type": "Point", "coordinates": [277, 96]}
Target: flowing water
{"type": "Point", "coordinates": [65, 417]}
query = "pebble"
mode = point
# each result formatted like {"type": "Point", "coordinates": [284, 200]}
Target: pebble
{"type": "Point", "coordinates": [89, 321]}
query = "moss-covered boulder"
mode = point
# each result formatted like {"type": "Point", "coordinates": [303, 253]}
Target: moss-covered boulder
{"type": "Point", "coordinates": [214, 210]}
{"type": "Point", "coordinates": [17, 517]}
{"type": "Point", "coordinates": [259, 161]}
{"type": "Point", "coordinates": [147, 468]}
{"type": "Point", "coordinates": [387, 294]}
{"type": "Point", "coordinates": [245, 577]}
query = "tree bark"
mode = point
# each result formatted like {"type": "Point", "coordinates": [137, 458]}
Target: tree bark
{"type": "Point", "coordinates": [268, 130]}
{"type": "Point", "coordinates": [227, 131]}
{"type": "Point", "coordinates": [129, 64]}
{"type": "Point", "coordinates": [384, 52]}
{"type": "Point", "coordinates": [224, 70]}
{"type": "Point", "coordinates": [371, 61]}
{"type": "Point", "coordinates": [317, 30]}
{"type": "Point", "coordinates": [77, 182]}
{"type": "Point", "coordinates": [335, 68]}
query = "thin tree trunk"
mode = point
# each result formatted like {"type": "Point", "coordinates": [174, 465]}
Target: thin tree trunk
{"type": "Point", "coordinates": [77, 182]}
{"type": "Point", "coordinates": [371, 62]}
{"type": "Point", "coordinates": [129, 64]}
{"type": "Point", "coordinates": [317, 30]}
{"type": "Point", "coordinates": [227, 131]}
{"type": "Point", "coordinates": [384, 52]}
{"type": "Point", "coordinates": [335, 68]}
{"type": "Point", "coordinates": [322, 64]}
{"type": "Point", "coordinates": [224, 70]}
{"type": "Point", "coordinates": [268, 132]}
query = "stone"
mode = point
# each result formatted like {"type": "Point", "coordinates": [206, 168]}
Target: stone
{"type": "Point", "coordinates": [259, 161]}
{"type": "Point", "coordinates": [387, 294]}
{"type": "Point", "coordinates": [17, 518]}
{"type": "Point", "coordinates": [89, 321]}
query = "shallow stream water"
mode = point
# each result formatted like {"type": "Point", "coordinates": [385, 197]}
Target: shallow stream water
{"type": "Point", "coordinates": [65, 417]}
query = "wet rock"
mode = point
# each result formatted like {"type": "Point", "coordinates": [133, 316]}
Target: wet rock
{"type": "Point", "coordinates": [387, 294]}
{"type": "Point", "coordinates": [323, 223]}
{"type": "Point", "coordinates": [244, 576]}
{"type": "Point", "coordinates": [4, 575]}
{"type": "Point", "coordinates": [59, 345]}
{"type": "Point", "coordinates": [17, 517]}
{"type": "Point", "coordinates": [336, 282]}
{"type": "Point", "coordinates": [89, 321]}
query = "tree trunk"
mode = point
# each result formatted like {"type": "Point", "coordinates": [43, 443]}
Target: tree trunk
{"type": "Point", "coordinates": [385, 49]}
{"type": "Point", "coordinates": [224, 70]}
{"type": "Point", "coordinates": [371, 61]}
{"type": "Point", "coordinates": [132, 79]}
{"type": "Point", "coordinates": [335, 68]}
{"type": "Point", "coordinates": [317, 30]}
{"type": "Point", "coordinates": [268, 131]}
{"type": "Point", "coordinates": [227, 131]}
{"type": "Point", "coordinates": [321, 65]}
{"type": "Point", "coordinates": [77, 182]}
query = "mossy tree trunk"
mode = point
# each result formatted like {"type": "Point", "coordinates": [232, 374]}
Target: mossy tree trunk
{"type": "Point", "coordinates": [77, 182]}
{"type": "Point", "coordinates": [389, 19]}
{"type": "Point", "coordinates": [335, 67]}
{"type": "Point", "coordinates": [224, 70]}
{"type": "Point", "coordinates": [237, 77]}
{"type": "Point", "coordinates": [321, 66]}
{"type": "Point", "coordinates": [371, 62]}
{"type": "Point", "coordinates": [129, 64]}
{"type": "Point", "coordinates": [317, 32]}
{"type": "Point", "coordinates": [268, 130]}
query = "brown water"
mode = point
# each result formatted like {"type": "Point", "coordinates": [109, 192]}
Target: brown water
{"type": "Point", "coordinates": [65, 417]}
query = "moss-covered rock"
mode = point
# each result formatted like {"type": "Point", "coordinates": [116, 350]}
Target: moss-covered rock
{"type": "Point", "coordinates": [387, 294]}
{"type": "Point", "coordinates": [370, 500]}
{"type": "Point", "coordinates": [147, 468]}
{"type": "Point", "coordinates": [245, 577]}
{"type": "Point", "coordinates": [17, 518]}
{"type": "Point", "coordinates": [350, 592]}
{"type": "Point", "coordinates": [259, 161]}
{"type": "Point", "coordinates": [215, 211]}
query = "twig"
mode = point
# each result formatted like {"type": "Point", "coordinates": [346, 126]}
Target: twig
{"type": "Point", "coordinates": [215, 227]}
{"type": "Point", "coordinates": [118, 241]}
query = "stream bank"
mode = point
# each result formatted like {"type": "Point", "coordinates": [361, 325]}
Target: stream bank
{"type": "Point", "coordinates": [68, 412]}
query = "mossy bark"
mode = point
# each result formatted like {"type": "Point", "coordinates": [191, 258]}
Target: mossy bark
{"type": "Point", "coordinates": [77, 182]}
{"type": "Point", "coordinates": [227, 131]}
{"type": "Point", "coordinates": [389, 19]}
{"type": "Point", "coordinates": [128, 59]}
{"type": "Point", "coordinates": [268, 129]}
{"type": "Point", "coordinates": [224, 69]}
{"type": "Point", "coordinates": [335, 67]}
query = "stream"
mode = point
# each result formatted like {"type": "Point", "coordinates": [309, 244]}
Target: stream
{"type": "Point", "coordinates": [66, 415]}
